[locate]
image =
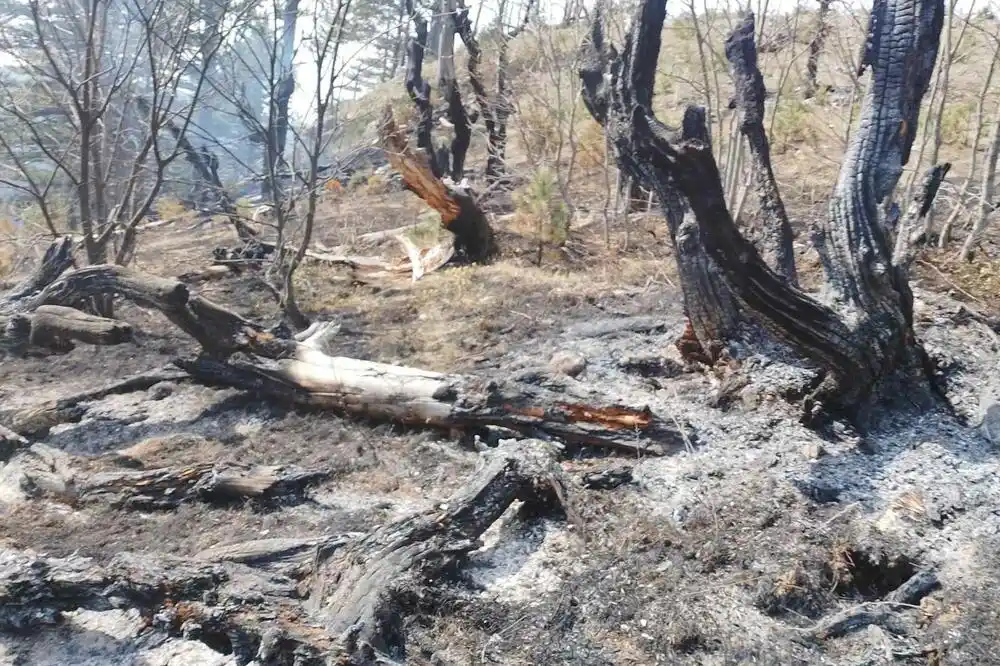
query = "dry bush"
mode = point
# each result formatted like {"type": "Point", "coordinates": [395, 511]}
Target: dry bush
{"type": "Point", "coordinates": [956, 123]}
{"type": "Point", "coordinates": [376, 184]}
{"type": "Point", "coordinates": [538, 128]}
{"type": "Point", "coordinates": [591, 145]}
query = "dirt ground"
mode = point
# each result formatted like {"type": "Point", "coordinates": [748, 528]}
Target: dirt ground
{"type": "Point", "coordinates": [730, 551]}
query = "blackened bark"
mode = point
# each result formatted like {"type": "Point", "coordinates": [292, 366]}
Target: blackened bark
{"type": "Point", "coordinates": [359, 588]}
{"type": "Point", "coordinates": [419, 89]}
{"type": "Point", "coordinates": [868, 339]}
{"type": "Point", "coordinates": [712, 311]}
{"type": "Point", "coordinates": [452, 95]}
{"type": "Point", "coordinates": [463, 131]}
{"type": "Point", "coordinates": [816, 48]}
{"type": "Point", "coordinates": [774, 235]}
{"type": "Point", "coordinates": [493, 111]}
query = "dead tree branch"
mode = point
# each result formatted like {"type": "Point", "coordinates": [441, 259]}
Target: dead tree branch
{"type": "Point", "coordinates": [774, 237]}
{"type": "Point", "coordinates": [358, 589]}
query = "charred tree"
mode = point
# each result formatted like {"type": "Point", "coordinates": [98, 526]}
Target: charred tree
{"type": "Point", "coordinates": [495, 111]}
{"type": "Point", "coordinates": [712, 311]}
{"type": "Point", "coordinates": [419, 89]}
{"type": "Point", "coordinates": [863, 340]}
{"type": "Point", "coordinates": [460, 213]}
{"type": "Point", "coordinates": [774, 235]}
{"type": "Point", "coordinates": [281, 95]}
{"type": "Point", "coordinates": [205, 165]}
{"type": "Point", "coordinates": [816, 45]}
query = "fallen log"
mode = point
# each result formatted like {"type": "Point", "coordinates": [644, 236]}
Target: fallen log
{"type": "Point", "coordinates": [164, 489]}
{"type": "Point", "coordinates": [40, 470]}
{"type": "Point", "coordinates": [241, 354]}
{"type": "Point", "coordinates": [56, 328]}
{"type": "Point", "coordinates": [357, 590]}
{"type": "Point", "coordinates": [37, 420]}
{"type": "Point", "coordinates": [409, 396]}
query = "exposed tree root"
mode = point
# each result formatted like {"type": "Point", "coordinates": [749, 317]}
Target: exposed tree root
{"type": "Point", "coordinates": [879, 613]}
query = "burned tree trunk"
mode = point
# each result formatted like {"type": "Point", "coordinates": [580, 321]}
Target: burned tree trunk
{"type": "Point", "coordinates": [496, 111]}
{"type": "Point", "coordinates": [460, 214]}
{"type": "Point", "coordinates": [816, 48]}
{"type": "Point", "coordinates": [865, 339]}
{"type": "Point", "coordinates": [713, 314]}
{"type": "Point", "coordinates": [452, 95]}
{"type": "Point", "coordinates": [206, 166]}
{"type": "Point", "coordinates": [420, 90]}
{"type": "Point", "coordinates": [774, 236]}
{"type": "Point", "coordinates": [308, 601]}
{"type": "Point", "coordinates": [241, 354]}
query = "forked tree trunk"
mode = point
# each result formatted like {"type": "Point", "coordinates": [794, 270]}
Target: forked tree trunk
{"type": "Point", "coordinates": [713, 314]}
{"type": "Point", "coordinates": [460, 214]}
{"type": "Point", "coordinates": [419, 89]}
{"type": "Point", "coordinates": [865, 339]}
{"type": "Point", "coordinates": [494, 111]}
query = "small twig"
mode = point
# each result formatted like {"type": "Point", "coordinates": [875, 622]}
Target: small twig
{"type": "Point", "coordinates": [947, 279]}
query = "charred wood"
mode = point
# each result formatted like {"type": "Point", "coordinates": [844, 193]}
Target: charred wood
{"type": "Point", "coordinates": [164, 489]}
{"type": "Point", "coordinates": [360, 589]}
{"type": "Point", "coordinates": [865, 339]}
{"type": "Point", "coordinates": [36, 421]}
{"type": "Point", "coordinates": [460, 214]}
{"type": "Point", "coordinates": [775, 234]}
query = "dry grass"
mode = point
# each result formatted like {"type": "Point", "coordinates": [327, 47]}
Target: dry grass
{"type": "Point", "coordinates": [6, 249]}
